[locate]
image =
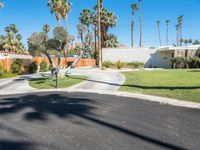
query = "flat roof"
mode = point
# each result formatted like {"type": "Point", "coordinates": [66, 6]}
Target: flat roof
{"type": "Point", "coordinates": [172, 48]}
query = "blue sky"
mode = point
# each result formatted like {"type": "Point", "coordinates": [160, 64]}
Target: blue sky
{"type": "Point", "coordinates": [31, 15]}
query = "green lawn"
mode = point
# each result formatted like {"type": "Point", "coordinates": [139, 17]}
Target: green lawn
{"type": "Point", "coordinates": [7, 75]}
{"type": "Point", "coordinates": [178, 84]}
{"type": "Point", "coordinates": [64, 82]}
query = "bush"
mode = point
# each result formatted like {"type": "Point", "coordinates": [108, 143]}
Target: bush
{"type": "Point", "coordinates": [43, 66]}
{"type": "Point", "coordinates": [107, 64]}
{"type": "Point", "coordinates": [179, 62]}
{"type": "Point", "coordinates": [119, 64]}
{"type": "Point", "coordinates": [194, 62]}
{"type": "Point", "coordinates": [32, 67]}
{"type": "Point", "coordinates": [135, 65]}
{"type": "Point", "coordinates": [16, 66]}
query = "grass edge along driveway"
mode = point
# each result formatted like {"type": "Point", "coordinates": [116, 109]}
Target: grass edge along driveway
{"type": "Point", "coordinates": [63, 82]}
{"type": "Point", "coordinates": [177, 84]}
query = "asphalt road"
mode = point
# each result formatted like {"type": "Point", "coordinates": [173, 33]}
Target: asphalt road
{"type": "Point", "coordinates": [83, 121]}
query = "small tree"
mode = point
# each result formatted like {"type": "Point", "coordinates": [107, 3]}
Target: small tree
{"type": "Point", "coordinates": [41, 43]}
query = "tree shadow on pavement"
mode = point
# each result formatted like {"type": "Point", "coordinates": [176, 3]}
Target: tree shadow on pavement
{"type": "Point", "coordinates": [12, 145]}
{"type": "Point", "coordinates": [63, 106]}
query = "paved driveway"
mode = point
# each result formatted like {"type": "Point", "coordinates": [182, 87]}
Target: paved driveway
{"type": "Point", "coordinates": [98, 81]}
{"type": "Point", "coordinates": [86, 121]}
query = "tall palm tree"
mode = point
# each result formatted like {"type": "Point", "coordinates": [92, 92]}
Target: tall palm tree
{"type": "Point", "coordinates": [177, 34]}
{"type": "Point", "coordinates": [190, 41]}
{"type": "Point", "coordinates": [180, 23]}
{"type": "Point", "coordinates": [94, 19]}
{"type": "Point", "coordinates": [167, 32]}
{"type": "Point", "coordinates": [139, 8]}
{"type": "Point", "coordinates": [99, 7]}
{"type": "Point", "coordinates": [134, 8]}
{"type": "Point", "coordinates": [158, 25]}
{"type": "Point", "coordinates": [55, 7]}
{"type": "Point", "coordinates": [86, 17]}
{"type": "Point", "coordinates": [65, 9]}
{"type": "Point", "coordinates": [186, 42]}
{"type": "Point", "coordinates": [108, 20]}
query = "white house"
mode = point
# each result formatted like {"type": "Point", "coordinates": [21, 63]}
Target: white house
{"type": "Point", "coordinates": [152, 58]}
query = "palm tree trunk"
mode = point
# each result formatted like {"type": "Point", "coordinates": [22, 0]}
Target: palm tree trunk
{"type": "Point", "coordinates": [167, 36]}
{"type": "Point", "coordinates": [177, 37]}
{"type": "Point", "coordinates": [99, 33]}
{"type": "Point", "coordinates": [159, 35]}
{"type": "Point", "coordinates": [140, 23]}
{"type": "Point", "coordinates": [95, 41]}
{"type": "Point", "coordinates": [180, 30]}
{"type": "Point", "coordinates": [132, 31]}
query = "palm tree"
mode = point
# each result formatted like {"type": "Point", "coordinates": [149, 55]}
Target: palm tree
{"type": "Point", "coordinates": [167, 32]}
{"type": "Point", "coordinates": [66, 8]}
{"type": "Point", "coordinates": [177, 34]}
{"type": "Point", "coordinates": [55, 7]}
{"type": "Point", "coordinates": [139, 8]}
{"type": "Point", "coordinates": [185, 41]}
{"type": "Point", "coordinates": [134, 7]}
{"type": "Point", "coordinates": [86, 17]}
{"type": "Point", "coordinates": [46, 28]}
{"type": "Point", "coordinates": [180, 22]}
{"type": "Point", "coordinates": [181, 41]}
{"type": "Point", "coordinates": [19, 37]}
{"type": "Point", "coordinates": [99, 7]}
{"type": "Point", "coordinates": [94, 19]}
{"type": "Point", "coordinates": [190, 41]}
{"type": "Point", "coordinates": [108, 20]}
{"type": "Point", "coordinates": [158, 24]}
{"type": "Point", "coordinates": [12, 40]}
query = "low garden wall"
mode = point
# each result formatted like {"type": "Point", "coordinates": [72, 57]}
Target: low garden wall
{"type": "Point", "coordinates": [7, 58]}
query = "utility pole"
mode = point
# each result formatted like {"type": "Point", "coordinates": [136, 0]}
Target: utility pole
{"type": "Point", "coordinates": [99, 34]}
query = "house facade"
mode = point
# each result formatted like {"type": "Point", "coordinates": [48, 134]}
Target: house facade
{"type": "Point", "coordinates": [151, 57]}
{"type": "Point", "coordinates": [166, 54]}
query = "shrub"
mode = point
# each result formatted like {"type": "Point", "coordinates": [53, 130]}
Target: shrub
{"type": "Point", "coordinates": [43, 66]}
{"type": "Point", "coordinates": [32, 67]}
{"type": "Point", "coordinates": [179, 62]}
{"type": "Point", "coordinates": [194, 62]}
{"type": "Point", "coordinates": [16, 66]}
{"type": "Point", "coordinates": [119, 64]}
{"type": "Point", "coordinates": [107, 64]}
{"type": "Point", "coordinates": [135, 65]}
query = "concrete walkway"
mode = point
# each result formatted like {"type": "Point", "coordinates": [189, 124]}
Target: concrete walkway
{"type": "Point", "coordinates": [107, 80]}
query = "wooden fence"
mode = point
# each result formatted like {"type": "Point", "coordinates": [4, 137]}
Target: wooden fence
{"type": "Point", "coordinates": [6, 60]}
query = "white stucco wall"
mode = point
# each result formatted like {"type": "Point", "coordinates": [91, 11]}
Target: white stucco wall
{"type": "Point", "coordinates": [164, 59]}
{"type": "Point", "coordinates": [145, 55]}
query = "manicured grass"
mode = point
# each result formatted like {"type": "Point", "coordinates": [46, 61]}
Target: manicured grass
{"type": "Point", "coordinates": [64, 82]}
{"type": "Point", "coordinates": [178, 84]}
